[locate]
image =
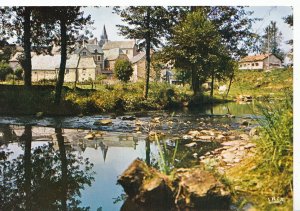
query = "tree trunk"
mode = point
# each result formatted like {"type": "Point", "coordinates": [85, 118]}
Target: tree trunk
{"type": "Point", "coordinates": [148, 151]}
{"type": "Point", "coordinates": [195, 81]}
{"type": "Point", "coordinates": [64, 168]}
{"type": "Point", "coordinates": [27, 166]}
{"type": "Point", "coordinates": [231, 79]}
{"type": "Point", "coordinates": [63, 59]}
{"type": "Point", "coordinates": [212, 84]}
{"type": "Point", "coordinates": [147, 74]}
{"type": "Point", "coordinates": [27, 47]}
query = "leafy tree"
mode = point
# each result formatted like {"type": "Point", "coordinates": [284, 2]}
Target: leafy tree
{"type": "Point", "coordinates": [19, 73]}
{"type": "Point", "coordinates": [290, 21]}
{"type": "Point", "coordinates": [5, 56]}
{"type": "Point", "coordinates": [195, 42]}
{"type": "Point", "coordinates": [182, 75]}
{"type": "Point", "coordinates": [271, 40]}
{"type": "Point", "coordinates": [148, 25]}
{"type": "Point", "coordinates": [5, 70]}
{"type": "Point", "coordinates": [123, 70]}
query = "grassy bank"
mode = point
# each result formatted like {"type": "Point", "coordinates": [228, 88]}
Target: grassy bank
{"type": "Point", "coordinates": [267, 179]}
{"type": "Point", "coordinates": [17, 100]}
{"type": "Point", "coordinates": [260, 84]}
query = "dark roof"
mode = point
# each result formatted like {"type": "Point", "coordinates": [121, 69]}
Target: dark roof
{"type": "Point", "coordinates": [90, 47]}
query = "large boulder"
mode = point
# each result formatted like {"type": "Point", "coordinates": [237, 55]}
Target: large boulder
{"type": "Point", "coordinates": [200, 189]}
{"type": "Point", "coordinates": [147, 187]}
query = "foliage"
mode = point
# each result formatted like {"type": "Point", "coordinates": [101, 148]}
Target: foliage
{"type": "Point", "coordinates": [269, 174]}
{"type": "Point", "coordinates": [5, 70]}
{"type": "Point", "coordinates": [196, 46]}
{"type": "Point", "coordinates": [165, 161]}
{"type": "Point", "coordinates": [19, 73]}
{"type": "Point", "coordinates": [146, 24]}
{"type": "Point", "coordinates": [271, 40]}
{"type": "Point", "coordinates": [5, 56]}
{"type": "Point", "coordinates": [48, 185]}
{"type": "Point", "coordinates": [123, 70]}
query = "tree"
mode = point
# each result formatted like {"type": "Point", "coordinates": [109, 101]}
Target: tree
{"type": "Point", "coordinates": [5, 70]}
{"type": "Point", "coordinates": [290, 21]}
{"type": "Point", "coordinates": [19, 73]}
{"type": "Point", "coordinates": [123, 70]}
{"type": "Point", "coordinates": [271, 40]}
{"type": "Point", "coordinates": [148, 25]}
{"type": "Point", "coordinates": [66, 23]}
{"type": "Point", "coordinates": [194, 43]}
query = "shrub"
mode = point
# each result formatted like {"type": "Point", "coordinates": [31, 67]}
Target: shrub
{"type": "Point", "coordinates": [5, 69]}
{"type": "Point", "coordinates": [123, 70]}
{"type": "Point", "coordinates": [19, 73]}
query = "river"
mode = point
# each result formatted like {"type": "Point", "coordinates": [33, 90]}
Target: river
{"type": "Point", "coordinates": [50, 164]}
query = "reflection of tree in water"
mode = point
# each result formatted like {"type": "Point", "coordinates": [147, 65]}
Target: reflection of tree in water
{"type": "Point", "coordinates": [43, 178]}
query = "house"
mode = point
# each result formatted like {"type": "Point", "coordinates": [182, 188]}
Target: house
{"type": "Point", "coordinates": [46, 67]}
{"type": "Point", "coordinates": [139, 68]}
{"type": "Point", "coordinates": [260, 62]}
{"type": "Point", "coordinates": [128, 47]}
{"type": "Point", "coordinates": [111, 56]}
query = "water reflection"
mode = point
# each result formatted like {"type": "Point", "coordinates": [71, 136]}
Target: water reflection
{"type": "Point", "coordinates": [42, 178]}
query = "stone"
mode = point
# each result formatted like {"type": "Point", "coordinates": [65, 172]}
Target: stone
{"type": "Point", "coordinates": [192, 144]}
{"type": "Point", "coordinates": [245, 123]}
{"type": "Point", "coordinates": [39, 115]}
{"type": "Point", "coordinates": [89, 136]}
{"type": "Point", "coordinates": [232, 143]}
{"type": "Point", "coordinates": [220, 137]}
{"type": "Point", "coordinates": [138, 123]}
{"type": "Point", "coordinates": [201, 190]}
{"type": "Point", "coordinates": [128, 118]}
{"type": "Point", "coordinates": [193, 133]}
{"type": "Point", "coordinates": [205, 137]}
{"type": "Point", "coordinates": [103, 122]}
{"type": "Point", "coordinates": [187, 137]}
{"type": "Point", "coordinates": [253, 132]}
{"type": "Point", "coordinates": [145, 184]}
{"type": "Point", "coordinates": [228, 157]}
{"type": "Point", "coordinates": [244, 137]}
{"type": "Point", "coordinates": [250, 145]}
{"type": "Point", "coordinates": [195, 155]}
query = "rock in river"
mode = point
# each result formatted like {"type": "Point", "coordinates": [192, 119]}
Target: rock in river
{"type": "Point", "coordinates": [186, 188]}
{"type": "Point", "coordinates": [103, 122]}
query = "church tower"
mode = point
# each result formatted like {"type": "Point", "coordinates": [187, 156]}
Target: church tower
{"type": "Point", "coordinates": [103, 37]}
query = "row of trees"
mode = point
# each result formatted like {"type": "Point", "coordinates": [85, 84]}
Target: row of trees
{"type": "Point", "coordinates": [202, 42]}
{"type": "Point", "coordinates": [37, 27]}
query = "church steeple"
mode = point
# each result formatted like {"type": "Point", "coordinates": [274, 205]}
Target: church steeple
{"type": "Point", "coordinates": [103, 37]}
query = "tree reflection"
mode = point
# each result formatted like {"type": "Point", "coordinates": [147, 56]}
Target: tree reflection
{"type": "Point", "coordinates": [43, 178]}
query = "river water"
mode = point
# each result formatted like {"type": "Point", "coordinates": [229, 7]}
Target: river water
{"type": "Point", "coordinates": [48, 164]}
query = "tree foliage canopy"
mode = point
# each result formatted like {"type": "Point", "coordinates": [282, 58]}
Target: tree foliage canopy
{"type": "Point", "coordinates": [123, 70]}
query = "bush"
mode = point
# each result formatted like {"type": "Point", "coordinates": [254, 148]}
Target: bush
{"type": "Point", "coordinates": [19, 73]}
{"type": "Point", "coordinates": [5, 69]}
{"type": "Point", "coordinates": [123, 70]}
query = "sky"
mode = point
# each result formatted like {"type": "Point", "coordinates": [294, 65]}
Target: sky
{"type": "Point", "coordinates": [104, 16]}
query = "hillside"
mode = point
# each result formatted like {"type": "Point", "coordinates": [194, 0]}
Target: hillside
{"type": "Point", "coordinates": [261, 84]}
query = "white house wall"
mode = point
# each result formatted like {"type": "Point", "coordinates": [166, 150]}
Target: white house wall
{"type": "Point", "coordinates": [258, 65]}
{"type": "Point", "coordinates": [86, 74]}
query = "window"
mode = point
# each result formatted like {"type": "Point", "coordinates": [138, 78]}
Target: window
{"type": "Point", "coordinates": [67, 71]}
{"type": "Point", "coordinates": [83, 70]}
{"type": "Point", "coordinates": [252, 64]}
{"type": "Point", "coordinates": [99, 58]}
{"type": "Point", "coordinates": [256, 64]}
{"type": "Point", "coordinates": [83, 53]}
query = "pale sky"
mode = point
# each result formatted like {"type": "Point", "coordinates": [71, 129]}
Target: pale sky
{"type": "Point", "coordinates": [103, 15]}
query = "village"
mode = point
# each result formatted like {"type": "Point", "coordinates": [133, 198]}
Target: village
{"type": "Point", "coordinates": [146, 108]}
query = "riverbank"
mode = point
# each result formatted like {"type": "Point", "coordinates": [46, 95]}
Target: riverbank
{"type": "Point", "coordinates": [17, 100]}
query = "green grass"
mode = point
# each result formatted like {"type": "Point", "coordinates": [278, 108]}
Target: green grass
{"type": "Point", "coordinates": [260, 84]}
{"type": "Point", "coordinates": [270, 173]}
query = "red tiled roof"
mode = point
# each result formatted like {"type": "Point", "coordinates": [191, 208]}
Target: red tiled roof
{"type": "Point", "coordinates": [259, 57]}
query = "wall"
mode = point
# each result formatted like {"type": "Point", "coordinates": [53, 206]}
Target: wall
{"type": "Point", "coordinates": [38, 75]}
{"type": "Point", "coordinates": [85, 74]}
{"type": "Point", "coordinates": [274, 62]}
{"type": "Point", "coordinates": [257, 65]}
